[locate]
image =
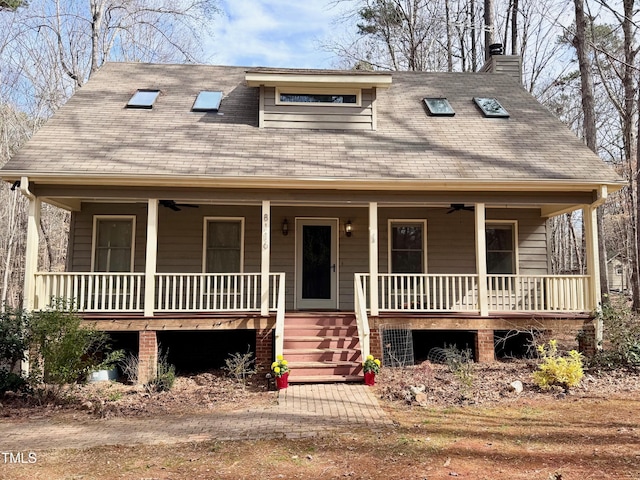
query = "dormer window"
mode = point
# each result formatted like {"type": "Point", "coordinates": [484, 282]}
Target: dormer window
{"type": "Point", "coordinates": [317, 96]}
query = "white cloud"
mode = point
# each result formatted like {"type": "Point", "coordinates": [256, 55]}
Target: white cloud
{"type": "Point", "coordinates": [276, 33]}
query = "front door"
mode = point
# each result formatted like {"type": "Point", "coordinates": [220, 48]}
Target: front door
{"type": "Point", "coordinates": [316, 263]}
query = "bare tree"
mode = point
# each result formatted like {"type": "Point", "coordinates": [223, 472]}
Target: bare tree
{"type": "Point", "coordinates": [52, 47]}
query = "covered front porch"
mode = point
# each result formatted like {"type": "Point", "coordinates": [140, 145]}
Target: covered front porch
{"type": "Point", "coordinates": [169, 261]}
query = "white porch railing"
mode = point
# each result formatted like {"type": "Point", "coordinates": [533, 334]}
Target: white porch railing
{"type": "Point", "coordinates": [362, 321]}
{"type": "Point", "coordinates": [539, 293]}
{"type": "Point", "coordinates": [459, 293]}
{"type": "Point", "coordinates": [427, 292]}
{"type": "Point", "coordinates": [185, 292]}
{"type": "Point", "coordinates": [279, 292]}
{"type": "Point", "coordinates": [91, 292]}
{"type": "Point", "coordinates": [206, 292]}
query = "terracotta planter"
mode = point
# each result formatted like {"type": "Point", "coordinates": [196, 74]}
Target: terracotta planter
{"type": "Point", "coordinates": [282, 381]}
{"type": "Point", "coordinates": [369, 378]}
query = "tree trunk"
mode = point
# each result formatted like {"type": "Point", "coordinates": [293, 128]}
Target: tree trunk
{"type": "Point", "coordinates": [489, 24]}
{"type": "Point", "coordinates": [588, 108]}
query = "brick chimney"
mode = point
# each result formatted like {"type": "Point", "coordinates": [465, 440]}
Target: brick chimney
{"type": "Point", "coordinates": [505, 64]}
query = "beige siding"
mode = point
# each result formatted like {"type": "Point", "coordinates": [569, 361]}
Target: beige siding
{"type": "Point", "coordinates": [532, 238]}
{"type": "Point", "coordinates": [334, 117]}
{"type": "Point", "coordinates": [450, 239]}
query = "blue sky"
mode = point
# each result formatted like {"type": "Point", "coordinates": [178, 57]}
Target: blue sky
{"type": "Point", "coordinates": [273, 33]}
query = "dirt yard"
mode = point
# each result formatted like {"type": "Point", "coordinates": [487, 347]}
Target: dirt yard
{"type": "Point", "coordinates": [481, 431]}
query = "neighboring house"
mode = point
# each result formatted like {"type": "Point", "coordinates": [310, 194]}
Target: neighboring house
{"type": "Point", "coordinates": [311, 207]}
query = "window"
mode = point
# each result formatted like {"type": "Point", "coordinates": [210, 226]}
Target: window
{"type": "Point", "coordinates": [207, 102]}
{"type": "Point", "coordinates": [113, 243]}
{"type": "Point", "coordinates": [439, 107]}
{"type": "Point", "coordinates": [407, 240]}
{"type": "Point", "coordinates": [501, 248]}
{"type": "Point", "coordinates": [224, 238]}
{"type": "Point", "coordinates": [491, 107]}
{"type": "Point", "coordinates": [317, 96]}
{"type": "Point", "coordinates": [143, 99]}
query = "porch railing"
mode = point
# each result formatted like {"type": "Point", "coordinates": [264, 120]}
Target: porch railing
{"type": "Point", "coordinates": [91, 292]}
{"type": "Point", "coordinates": [459, 293]}
{"type": "Point", "coordinates": [184, 292]}
{"type": "Point", "coordinates": [362, 321]}
{"type": "Point", "coordinates": [205, 292]}
{"type": "Point", "coordinates": [539, 293]}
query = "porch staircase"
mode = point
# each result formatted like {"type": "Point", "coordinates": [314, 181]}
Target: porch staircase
{"type": "Point", "coordinates": [322, 348]}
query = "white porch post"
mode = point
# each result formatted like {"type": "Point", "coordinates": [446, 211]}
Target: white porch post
{"type": "Point", "coordinates": [373, 258]}
{"type": "Point", "coordinates": [593, 263]}
{"type": "Point", "coordinates": [150, 265]}
{"type": "Point", "coordinates": [31, 261]}
{"type": "Point", "coordinates": [265, 258]}
{"type": "Point", "coordinates": [481, 258]}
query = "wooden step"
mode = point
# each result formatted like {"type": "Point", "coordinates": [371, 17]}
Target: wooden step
{"type": "Point", "coordinates": [320, 319]}
{"type": "Point", "coordinates": [325, 368]}
{"type": "Point", "coordinates": [321, 330]}
{"type": "Point", "coordinates": [322, 354]}
{"type": "Point", "coordinates": [319, 342]}
{"type": "Point", "coordinates": [325, 378]}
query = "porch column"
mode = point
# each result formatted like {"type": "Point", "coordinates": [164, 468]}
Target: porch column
{"type": "Point", "coordinates": [265, 260]}
{"type": "Point", "coordinates": [590, 222]}
{"type": "Point", "coordinates": [373, 258]}
{"type": "Point", "coordinates": [151, 256]}
{"type": "Point", "coordinates": [31, 261]}
{"type": "Point", "coordinates": [481, 259]}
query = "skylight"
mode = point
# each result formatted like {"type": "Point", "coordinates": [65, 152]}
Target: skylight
{"type": "Point", "coordinates": [143, 99]}
{"type": "Point", "coordinates": [491, 107]}
{"type": "Point", "coordinates": [439, 107]}
{"type": "Point", "coordinates": [207, 102]}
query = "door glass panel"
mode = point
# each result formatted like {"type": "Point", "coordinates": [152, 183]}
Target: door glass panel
{"type": "Point", "coordinates": [316, 261]}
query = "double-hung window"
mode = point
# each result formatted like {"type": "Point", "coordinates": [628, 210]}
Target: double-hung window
{"type": "Point", "coordinates": [224, 238]}
{"type": "Point", "coordinates": [501, 248]}
{"type": "Point", "coordinates": [407, 246]}
{"type": "Point", "coordinates": [113, 243]}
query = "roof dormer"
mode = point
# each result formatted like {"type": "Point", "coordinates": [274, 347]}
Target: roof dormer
{"type": "Point", "coordinates": [320, 99]}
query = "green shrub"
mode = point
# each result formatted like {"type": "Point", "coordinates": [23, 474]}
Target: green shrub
{"type": "Point", "coordinates": [555, 369]}
{"type": "Point", "coordinates": [64, 351]}
{"type": "Point", "coordinates": [621, 332]}
{"type": "Point", "coordinates": [10, 381]}
{"type": "Point", "coordinates": [13, 337]}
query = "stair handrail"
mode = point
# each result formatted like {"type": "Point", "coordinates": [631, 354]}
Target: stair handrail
{"type": "Point", "coordinates": [362, 321]}
{"type": "Point", "coordinates": [280, 310]}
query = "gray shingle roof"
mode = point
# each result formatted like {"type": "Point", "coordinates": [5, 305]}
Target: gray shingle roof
{"type": "Point", "coordinates": [94, 134]}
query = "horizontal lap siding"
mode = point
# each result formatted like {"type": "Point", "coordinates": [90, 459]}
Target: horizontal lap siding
{"type": "Point", "coordinates": [180, 235]}
{"type": "Point", "coordinates": [532, 238]}
{"type": "Point", "coordinates": [333, 117]}
{"type": "Point", "coordinates": [451, 238]}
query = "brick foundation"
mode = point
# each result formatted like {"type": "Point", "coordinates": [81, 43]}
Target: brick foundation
{"type": "Point", "coordinates": [147, 356]}
{"type": "Point", "coordinates": [375, 343]}
{"type": "Point", "coordinates": [264, 349]}
{"type": "Point", "coordinates": [587, 340]}
{"type": "Point", "coordinates": [485, 348]}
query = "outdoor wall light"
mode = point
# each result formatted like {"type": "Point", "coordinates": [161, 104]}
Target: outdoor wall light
{"type": "Point", "coordinates": [285, 227]}
{"type": "Point", "coordinates": [348, 228]}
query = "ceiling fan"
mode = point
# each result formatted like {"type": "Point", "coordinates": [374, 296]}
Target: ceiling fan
{"type": "Point", "coordinates": [459, 206]}
{"type": "Point", "coordinates": [172, 205]}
